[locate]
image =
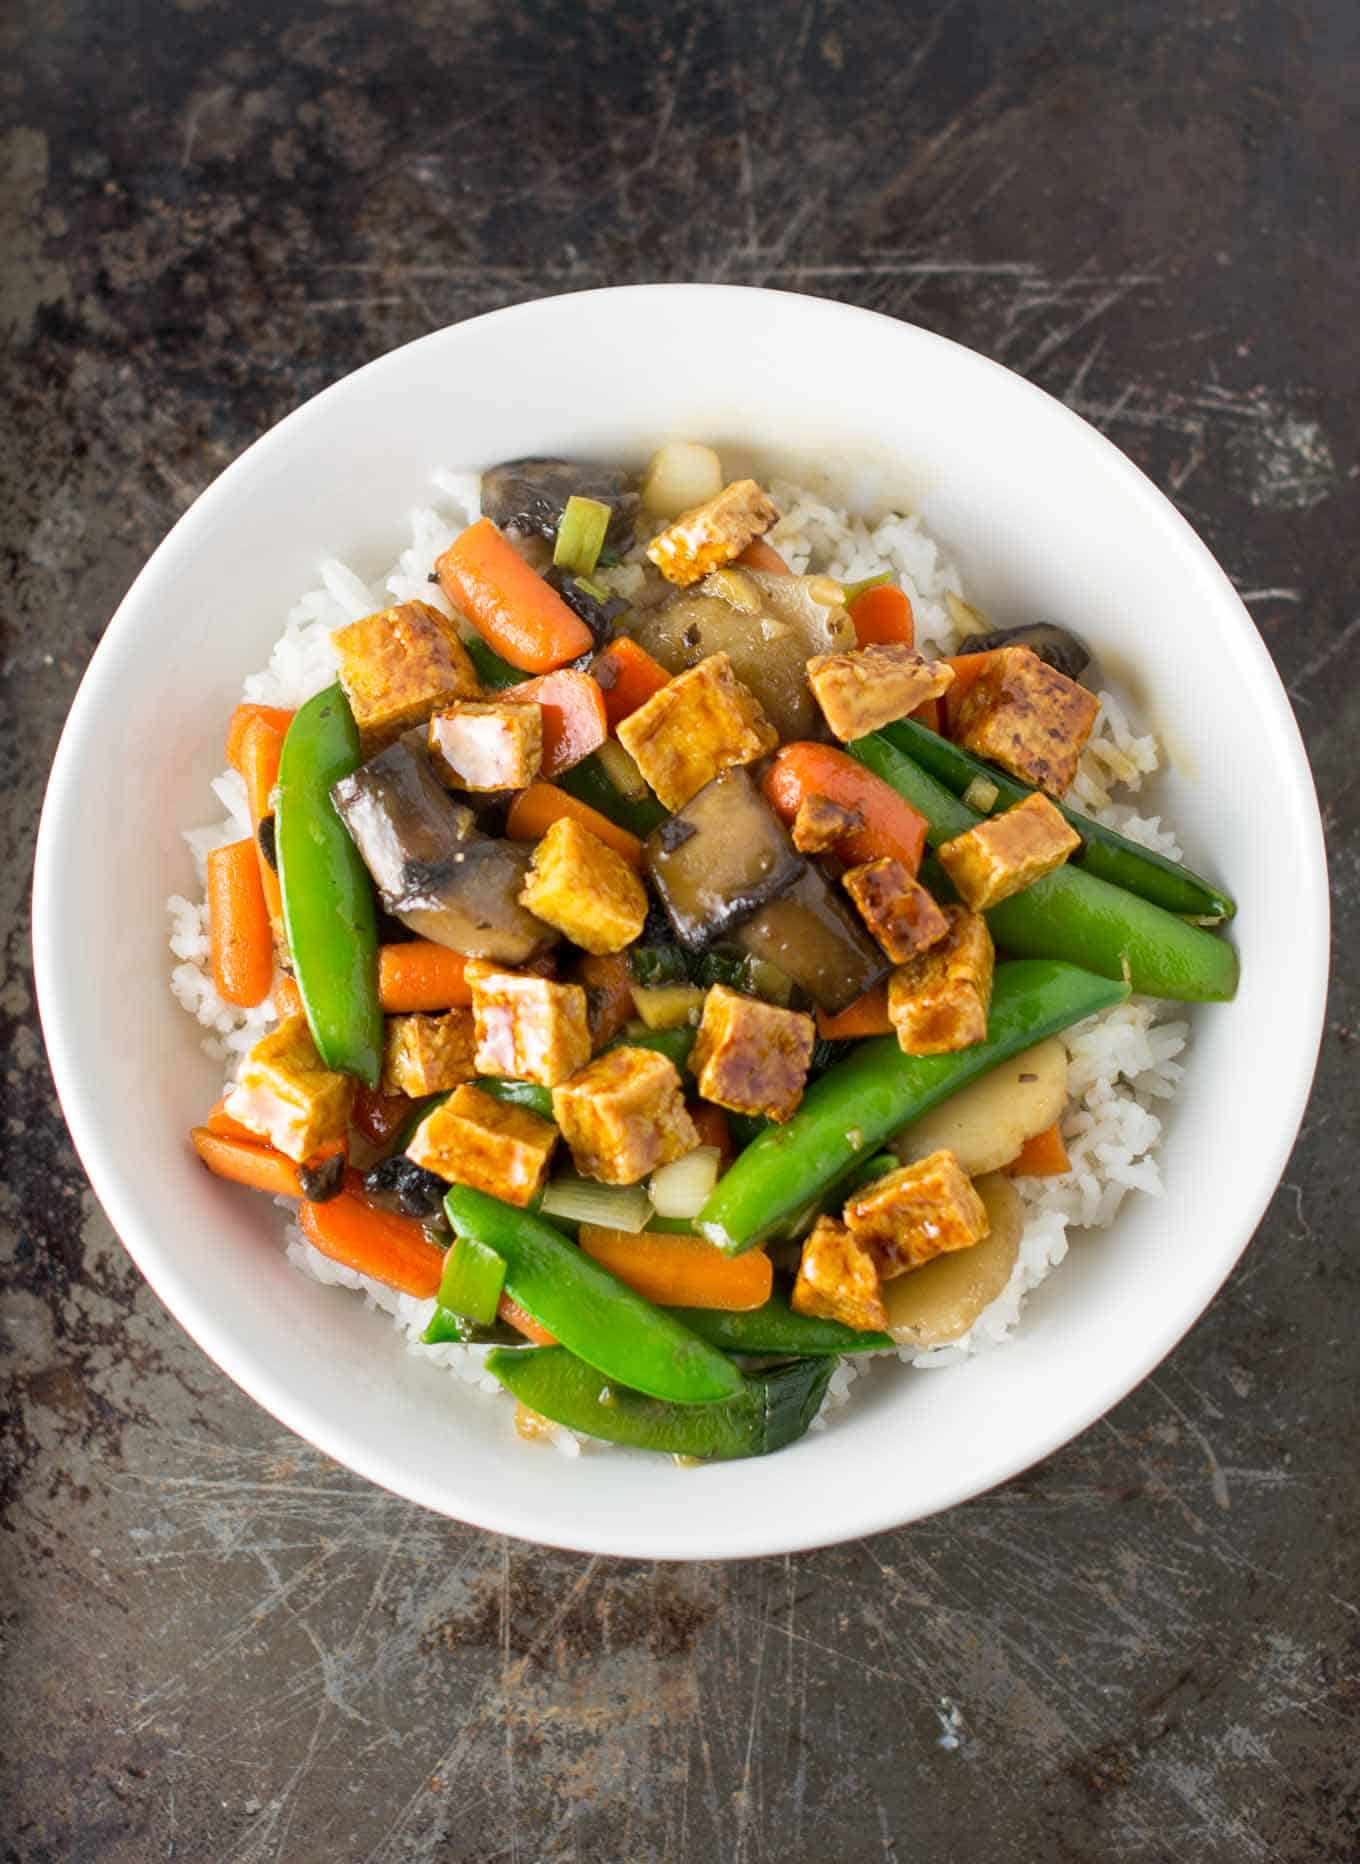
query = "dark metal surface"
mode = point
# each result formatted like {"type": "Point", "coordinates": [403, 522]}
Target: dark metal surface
{"type": "Point", "coordinates": [216, 1644]}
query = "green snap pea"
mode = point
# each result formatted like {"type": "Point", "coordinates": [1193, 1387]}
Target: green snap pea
{"type": "Point", "coordinates": [328, 910]}
{"type": "Point", "coordinates": [472, 1281]}
{"type": "Point", "coordinates": [527, 1094]}
{"type": "Point", "coordinates": [767, 1410]}
{"type": "Point", "coordinates": [1071, 914]}
{"type": "Point", "coordinates": [674, 1044]}
{"type": "Point", "coordinates": [493, 672]}
{"type": "Point", "coordinates": [589, 1310]}
{"type": "Point", "coordinates": [777, 1331]}
{"type": "Point", "coordinates": [877, 1090]}
{"type": "Point", "coordinates": [589, 782]}
{"type": "Point", "coordinates": [449, 1329]}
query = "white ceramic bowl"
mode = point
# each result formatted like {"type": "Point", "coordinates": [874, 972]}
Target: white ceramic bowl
{"type": "Point", "coordinates": [1045, 517]}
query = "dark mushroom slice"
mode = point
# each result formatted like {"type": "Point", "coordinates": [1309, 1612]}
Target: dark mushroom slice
{"type": "Point", "coordinates": [530, 495]}
{"type": "Point", "coordinates": [719, 859]}
{"type": "Point", "coordinates": [810, 935]}
{"type": "Point", "coordinates": [471, 903]}
{"type": "Point", "coordinates": [1059, 647]}
{"type": "Point", "coordinates": [398, 812]}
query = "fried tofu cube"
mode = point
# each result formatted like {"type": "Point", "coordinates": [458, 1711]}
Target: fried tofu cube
{"type": "Point", "coordinates": [711, 534]}
{"type": "Point", "coordinates": [821, 823]}
{"type": "Point", "coordinates": [585, 889]}
{"type": "Point", "coordinates": [917, 1212]}
{"type": "Point", "coordinates": [287, 1095]}
{"type": "Point", "coordinates": [399, 666]}
{"type": "Point", "coordinates": [898, 910]}
{"type": "Point", "coordinates": [751, 1057]}
{"type": "Point", "coordinates": [477, 1141]}
{"type": "Point", "coordinates": [427, 1054]}
{"type": "Point", "coordinates": [1027, 717]}
{"type": "Point", "coordinates": [938, 1001]}
{"type": "Point", "coordinates": [699, 724]}
{"type": "Point", "coordinates": [624, 1115]}
{"type": "Point", "coordinates": [1008, 852]}
{"type": "Point", "coordinates": [527, 1027]}
{"type": "Point", "coordinates": [838, 1279]}
{"type": "Point", "coordinates": [871, 686]}
{"type": "Point", "coordinates": [488, 745]}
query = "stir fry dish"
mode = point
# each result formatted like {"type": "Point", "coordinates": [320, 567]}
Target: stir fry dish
{"type": "Point", "coordinates": [667, 983]}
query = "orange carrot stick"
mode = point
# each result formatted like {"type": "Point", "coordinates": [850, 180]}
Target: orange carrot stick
{"type": "Point", "coordinates": [220, 1121]}
{"type": "Point", "coordinates": [246, 1161]}
{"type": "Point", "coordinates": [373, 1242]}
{"type": "Point", "coordinates": [536, 808]}
{"type": "Point", "coordinates": [681, 1271]}
{"type": "Point", "coordinates": [245, 715]}
{"type": "Point", "coordinates": [866, 1016]}
{"type": "Point", "coordinates": [515, 1316]}
{"type": "Point", "coordinates": [261, 748]}
{"type": "Point", "coordinates": [238, 925]}
{"type": "Point", "coordinates": [287, 998]}
{"type": "Point", "coordinates": [967, 670]}
{"type": "Point", "coordinates": [510, 605]}
{"type": "Point", "coordinates": [1044, 1156]}
{"type": "Point", "coordinates": [628, 677]}
{"type": "Point", "coordinates": [574, 718]}
{"type": "Point", "coordinates": [758, 555]}
{"type": "Point", "coordinates": [891, 825]}
{"type": "Point", "coordinates": [420, 975]}
{"type": "Point", "coordinates": [882, 616]}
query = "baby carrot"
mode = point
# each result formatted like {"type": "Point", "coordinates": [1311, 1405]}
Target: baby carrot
{"type": "Point", "coordinates": [681, 1271]}
{"type": "Point", "coordinates": [260, 750]}
{"type": "Point", "coordinates": [573, 712]}
{"type": "Point", "coordinates": [866, 1016]}
{"type": "Point", "coordinates": [373, 1242]}
{"type": "Point", "coordinates": [244, 716]}
{"type": "Point", "coordinates": [238, 925]}
{"type": "Point", "coordinates": [806, 769]}
{"type": "Point", "coordinates": [245, 1161]}
{"type": "Point", "coordinates": [883, 616]}
{"type": "Point", "coordinates": [536, 808]}
{"type": "Point", "coordinates": [420, 975]}
{"type": "Point", "coordinates": [1044, 1156]}
{"type": "Point", "coordinates": [510, 605]}
{"type": "Point", "coordinates": [628, 676]}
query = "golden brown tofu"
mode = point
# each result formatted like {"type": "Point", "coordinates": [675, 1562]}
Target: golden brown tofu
{"type": "Point", "coordinates": [838, 1279]}
{"type": "Point", "coordinates": [898, 910]}
{"type": "Point", "coordinates": [938, 1001]}
{"type": "Point", "coordinates": [871, 686]}
{"type": "Point", "coordinates": [427, 1054]}
{"type": "Point", "coordinates": [585, 889]}
{"type": "Point", "coordinates": [399, 666]}
{"type": "Point", "coordinates": [624, 1115]}
{"type": "Point", "coordinates": [700, 723]}
{"type": "Point", "coordinates": [288, 1096]}
{"type": "Point", "coordinates": [751, 1057]}
{"type": "Point", "coordinates": [527, 1027]}
{"type": "Point", "coordinates": [1027, 717]}
{"type": "Point", "coordinates": [1008, 852]}
{"type": "Point", "coordinates": [820, 824]}
{"type": "Point", "coordinates": [493, 746]}
{"type": "Point", "coordinates": [713, 533]}
{"type": "Point", "coordinates": [475, 1140]}
{"type": "Point", "coordinates": [917, 1212]}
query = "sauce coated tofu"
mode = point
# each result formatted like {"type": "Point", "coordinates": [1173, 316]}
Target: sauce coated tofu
{"type": "Point", "coordinates": [752, 1057]}
{"type": "Point", "coordinates": [288, 1096]}
{"type": "Point", "coordinates": [917, 1212]}
{"type": "Point", "coordinates": [871, 686]}
{"type": "Point", "coordinates": [821, 823]}
{"type": "Point", "coordinates": [585, 889]}
{"type": "Point", "coordinates": [938, 1001]}
{"type": "Point", "coordinates": [699, 724]}
{"type": "Point", "coordinates": [527, 1027]}
{"type": "Point", "coordinates": [624, 1115]}
{"type": "Point", "coordinates": [898, 910]}
{"type": "Point", "coordinates": [711, 534]}
{"type": "Point", "coordinates": [1008, 852]}
{"type": "Point", "coordinates": [398, 666]}
{"type": "Point", "coordinates": [488, 746]}
{"type": "Point", "coordinates": [427, 1054]}
{"type": "Point", "coordinates": [838, 1279]}
{"type": "Point", "coordinates": [477, 1141]}
{"type": "Point", "coordinates": [1027, 717]}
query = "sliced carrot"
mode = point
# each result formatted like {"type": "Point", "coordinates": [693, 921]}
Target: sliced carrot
{"type": "Point", "coordinates": [883, 617]}
{"type": "Point", "coordinates": [928, 714]}
{"type": "Point", "coordinates": [628, 677]}
{"type": "Point", "coordinates": [891, 825]}
{"type": "Point", "coordinates": [536, 808]}
{"type": "Point", "coordinates": [510, 605]}
{"type": "Point", "coordinates": [261, 748]}
{"type": "Point", "coordinates": [287, 998]}
{"type": "Point", "coordinates": [247, 1161]}
{"type": "Point", "coordinates": [420, 975]}
{"type": "Point", "coordinates": [574, 719]}
{"type": "Point", "coordinates": [758, 555]}
{"type": "Point", "coordinates": [866, 1016]}
{"type": "Point", "coordinates": [710, 1123]}
{"type": "Point", "coordinates": [608, 984]}
{"type": "Point", "coordinates": [515, 1316]}
{"type": "Point", "coordinates": [378, 1116]}
{"type": "Point", "coordinates": [373, 1242]}
{"type": "Point", "coordinates": [1044, 1156]}
{"type": "Point", "coordinates": [238, 925]}
{"type": "Point", "coordinates": [245, 715]}
{"type": "Point", "coordinates": [967, 670]}
{"type": "Point", "coordinates": [681, 1271]}
{"type": "Point", "coordinates": [220, 1121]}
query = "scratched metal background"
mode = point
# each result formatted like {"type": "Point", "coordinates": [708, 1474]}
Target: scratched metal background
{"type": "Point", "coordinates": [219, 1646]}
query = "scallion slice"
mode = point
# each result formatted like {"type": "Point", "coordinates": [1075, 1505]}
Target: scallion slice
{"type": "Point", "coordinates": [681, 1189]}
{"type": "Point", "coordinates": [580, 535]}
{"type": "Point", "coordinates": [582, 1200]}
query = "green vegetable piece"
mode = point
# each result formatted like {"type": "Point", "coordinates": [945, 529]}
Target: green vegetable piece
{"type": "Point", "coordinates": [652, 965]}
{"type": "Point", "coordinates": [832, 1196]}
{"type": "Point", "coordinates": [328, 910]}
{"type": "Point", "coordinates": [590, 783]}
{"type": "Point", "coordinates": [766, 1412]}
{"type": "Point", "coordinates": [589, 1310]}
{"type": "Point", "coordinates": [878, 1090]}
{"type": "Point", "coordinates": [472, 1280]}
{"type": "Point", "coordinates": [851, 591]}
{"type": "Point", "coordinates": [518, 1094]}
{"type": "Point", "coordinates": [492, 671]}
{"type": "Point", "coordinates": [1105, 853]}
{"type": "Point", "coordinates": [449, 1329]}
{"type": "Point", "coordinates": [674, 1044]}
{"type": "Point", "coordinates": [580, 534]}
{"type": "Point", "coordinates": [777, 1331]}
{"type": "Point", "coordinates": [1070, 914]}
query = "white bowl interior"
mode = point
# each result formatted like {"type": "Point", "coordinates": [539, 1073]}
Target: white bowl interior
{"type": "Point", "coordinates": [1045, 518]}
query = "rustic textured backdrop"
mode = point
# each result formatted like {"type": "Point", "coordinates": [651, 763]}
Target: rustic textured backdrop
{"type": "Point", "coordinates": [217, 1644]}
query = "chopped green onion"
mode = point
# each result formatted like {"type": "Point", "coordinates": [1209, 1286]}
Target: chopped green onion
{"type": "Point", "coordinates": [668, 1006]}
{"type": "Point", "coordinates": [622, 772]}
{"type": "Point", "coordinates": [473, 1278]}
{"type": "Point", "coordinates": [681, 1189]}
{"type": "Point", "coordinates": [580, 535]}
{"type": "Point", "coordinates": [596, 591]}
{"type": "Point", "coordinates": [724, 966]}
{"type": "Point", "coordinates": [766, 980]}
{"type": "Point", "coordinates": [449, 1329]}
{"type": "Point", "coordinates": [613, 1206]}
{"type": "Point", "coordinates": [658, 964]}
{"type": "Point", "coordinates": [981, 795]}
{"type": "Point", "coordinates": [851, 591]}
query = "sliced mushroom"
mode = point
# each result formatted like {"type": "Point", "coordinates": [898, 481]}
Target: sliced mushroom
{"type": "Point", "coordinates": [719, 859]}
{"type": "Point", "coordinates": [811, 936]}
{"type": "Point", "coordinates": [530, 495]}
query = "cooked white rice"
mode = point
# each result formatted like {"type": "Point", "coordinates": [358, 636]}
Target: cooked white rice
{"type": "Point", "coordinates": [1122, 1064]}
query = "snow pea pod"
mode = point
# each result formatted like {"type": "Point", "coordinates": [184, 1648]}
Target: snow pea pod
{"type": "Point", "coordinates": [776, 1330]}
{"type": "Point", "coordinates": [767, 1410]}
{"type": "Point", "coordinates": [1104, 851]}
{"type": "Point", "coordinates": [328, 910]}
{"type": "Point", "coordinates": [877, 1090]}
{"type": "Point", "coordinates": [1070, 914]}
{"type": "Point", "coordinates": [589, 1310]}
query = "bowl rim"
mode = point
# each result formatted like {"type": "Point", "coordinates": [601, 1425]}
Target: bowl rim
{"type": "Point", "coordinates": [736, 1540]}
